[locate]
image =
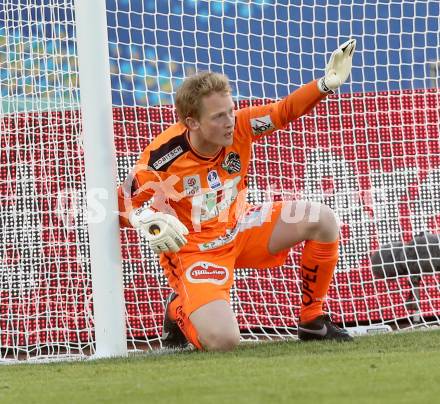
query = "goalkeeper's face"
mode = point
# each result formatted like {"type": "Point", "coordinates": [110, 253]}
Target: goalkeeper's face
{"type": "Point", "coordinates": [215, 126]}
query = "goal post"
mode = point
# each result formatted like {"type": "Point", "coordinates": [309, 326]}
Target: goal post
{"type": "Point", "coordinates": [61, 289]}
{"type": "Point", "coordinates": [100, 175]}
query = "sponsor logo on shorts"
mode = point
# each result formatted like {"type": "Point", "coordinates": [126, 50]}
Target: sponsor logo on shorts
{"type": "Point", "coordinates": [168, 157]}
{"type": "Point", "coordinates": [220, 241]}
{"type": "Point", "coordinates": [191, 185]}
{"type": "Point", "coordinates": [207, 272]}
{"type": "Point", "coordinates": [214, 180]}
{"type": "Point", "coordinates": [262, 125]}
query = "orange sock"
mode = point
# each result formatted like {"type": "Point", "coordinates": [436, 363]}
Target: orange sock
{"type": "Point", "coordinates": [317, 266]}
{"type": "Point", "coordinates": [175, 312]}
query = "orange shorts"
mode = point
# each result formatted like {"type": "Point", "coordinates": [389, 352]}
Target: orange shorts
{"type": "Point", "coordinates": [200, 277]}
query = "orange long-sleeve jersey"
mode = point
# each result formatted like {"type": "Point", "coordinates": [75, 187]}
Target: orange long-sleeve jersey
{"type": "Point", "coordinates": [207, 194]}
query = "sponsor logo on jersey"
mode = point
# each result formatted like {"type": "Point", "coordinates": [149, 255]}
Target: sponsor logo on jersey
{"type": "Point", "coordinates": [255, 216]}
{"type": "Point", "coordinates": [262, 125]}
{"type": "Point", "coordinates": [209, 205]}
{"type": "Point", "coordinates": [191, 185]}
{"type": "Point", "coordinates": [232, 164]}
{"type": "Point", "coordinates": [168, 157]}
{"type": "Point", "coordinates": [214, 180]}
{"type": "Point", "coordinates": [207, 272]}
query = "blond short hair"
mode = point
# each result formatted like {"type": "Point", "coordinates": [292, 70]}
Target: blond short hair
{"type": "Point", "coordinates": [189, 95]}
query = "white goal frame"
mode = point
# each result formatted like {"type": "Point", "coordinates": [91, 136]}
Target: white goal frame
{"type": "Point", "coordinates": [101, 174]}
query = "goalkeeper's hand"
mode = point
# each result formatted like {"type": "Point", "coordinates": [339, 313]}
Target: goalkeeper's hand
{"type": "Point", "coordinates": [338, 68]}
{"type": "Point", "coordinates": [164, 233]}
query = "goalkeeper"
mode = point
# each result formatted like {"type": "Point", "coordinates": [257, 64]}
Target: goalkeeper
{"type": "Point", "coordinates": [194, 175]}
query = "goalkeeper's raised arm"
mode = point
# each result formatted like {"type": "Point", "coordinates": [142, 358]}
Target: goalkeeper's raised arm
{"type": "Point", "coordinates": [263, 120]}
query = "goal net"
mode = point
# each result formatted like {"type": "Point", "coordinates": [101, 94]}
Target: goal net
{"type": "Point", "coordinates": [371, 152]}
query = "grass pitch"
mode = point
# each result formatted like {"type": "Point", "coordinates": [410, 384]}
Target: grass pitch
{"type": "Point", "coordinates": [390, 368]}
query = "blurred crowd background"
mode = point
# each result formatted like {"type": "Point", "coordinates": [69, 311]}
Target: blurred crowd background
{"type": "Point", "coordinates": [266, 47]}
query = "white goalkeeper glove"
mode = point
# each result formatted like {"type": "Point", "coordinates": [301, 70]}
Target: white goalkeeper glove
{"type": "Point", "coordinates": [338, 68]}
{"type": "Point", "coordinates": [164, 232]}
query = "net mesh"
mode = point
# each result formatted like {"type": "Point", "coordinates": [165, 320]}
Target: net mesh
{"type": "Point", "coordinates": [45, 307]}
{"type": "Point", "coordinates": [371, 153]}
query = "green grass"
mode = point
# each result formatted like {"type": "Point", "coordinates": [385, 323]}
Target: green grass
{"type": "Point", "coordinates": [390, 368]}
